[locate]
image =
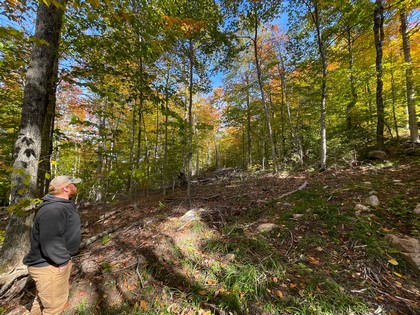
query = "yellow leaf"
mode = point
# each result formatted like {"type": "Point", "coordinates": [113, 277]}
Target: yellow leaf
{"type": "Point", "coordinates": [398, 274]}
{"type": "Point", "coordinates": [279, 294]}
{"type": "Point", "coordinates": [143, 305]}
{"type": "Point", "coordinates": [202, 292]}
{"type": "Point", "coordinates": [393, 262]}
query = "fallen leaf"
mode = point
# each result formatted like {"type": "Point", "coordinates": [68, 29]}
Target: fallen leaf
{"type": "Point", "coordinates": [143, 305]}
{"type": "Point", "coordinates": [393, 262]}
{"type": "Point", "coordinates": [279, 294]}
{"type": "Point", "coordinates": [398, 274]}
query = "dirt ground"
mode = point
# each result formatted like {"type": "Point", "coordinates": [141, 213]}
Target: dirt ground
{"type": "Point", "coordinates": [134, 233]}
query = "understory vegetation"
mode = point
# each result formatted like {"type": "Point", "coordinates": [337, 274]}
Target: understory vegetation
{"type": "Point", "coordinates": [320, 257]}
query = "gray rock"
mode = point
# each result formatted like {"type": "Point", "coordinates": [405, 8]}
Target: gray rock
{"type": "Point", "coordinates": [377, 154]}
{"type": "Point", "coordinates": [193, 214]}
{"type": "Point", "coordinates": [405, 244]}
{"type": "Point", "coordinates": [372, 201]}
{"type": "Point", "coordinates": [360, 207]}
{"type": "Point", "coordinates": [409, 247]}
{"type": "Point", "coordinates": [230, 257]}
{"type": "Point", "coordinates": [267, 227]}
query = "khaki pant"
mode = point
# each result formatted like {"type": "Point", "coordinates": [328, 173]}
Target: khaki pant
{"type": "Point", "coordinates": [52, 286]}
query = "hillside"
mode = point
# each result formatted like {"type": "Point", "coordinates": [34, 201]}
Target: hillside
{"type": "Point", "coordinates": [255, 244]}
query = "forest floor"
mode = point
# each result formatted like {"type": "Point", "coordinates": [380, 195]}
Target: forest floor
{"type": "Point", "coordinates": [318, 256]}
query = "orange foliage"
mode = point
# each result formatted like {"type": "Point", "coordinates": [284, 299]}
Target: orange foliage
{"type": "Point", "coordinates": [188, 26]}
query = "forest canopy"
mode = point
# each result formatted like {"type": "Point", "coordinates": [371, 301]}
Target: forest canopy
{"type": "Point", "coordinates": [148, 92]}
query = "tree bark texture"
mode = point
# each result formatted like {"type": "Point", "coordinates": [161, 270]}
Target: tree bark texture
{"type": "Point", "coordinates": [378, 30]}
{"type": "Point", "coordinates": [28, 145]}
{"type": "Point", "coordinates": [409, 80]}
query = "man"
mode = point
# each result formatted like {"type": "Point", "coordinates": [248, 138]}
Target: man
{"type": "Point", "coordinates": [55, 238]}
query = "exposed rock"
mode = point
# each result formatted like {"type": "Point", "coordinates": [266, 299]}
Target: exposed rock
{"type": "Point", "coordinates": [193, 214]}
{"type": "Point", "coordinates": [417, 209]}
{"type": "Point", "coordinates": [377, 154]}
{"type": "Point", "coordinates": [267, 227]}
{"type": "Point", "coordinates": [405, 244]}
{"type": "Point", "coordinates": [414, 261]}
{"type": "Point", "coordinates": [360, 207]}
{"type": "Point", "coordinates": [372, 201]}
{"type": "Point", "coordinates": [409, 247]}
{"type": "Point", "coordinates": [230, 257]}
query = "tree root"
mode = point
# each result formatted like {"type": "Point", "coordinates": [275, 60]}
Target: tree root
{"type": "Point", "coordinates": [13, 283]}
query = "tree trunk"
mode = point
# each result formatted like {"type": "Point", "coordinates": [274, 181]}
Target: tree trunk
{"type": "Point", "coordinates": [165, 145]}
{"type": "Point", "coordinates": [297, 145]}
{"type": "Point", "coordinates": [393, 98]}
{"type": "Point", "coordinates": [409, 80]}
{"type": "Point", "coordinates": [248, 122]}
{"type": "Point", "coordinates": [47, 136]}
{"type": "Point", "coordinates": [321, 49]}
{"type": "Point", "coordinates": [28, 145]}
{"type": "Point", "coordinates": [190, 122]}
{"type": "Point", "coordinates": [267, 116]}
{"type": "Point", "coordinates": [378, 29]}
{"type": "Point", "coordinates": [132, 141]}
{"type": "Point", "coordinates": [353, 92]}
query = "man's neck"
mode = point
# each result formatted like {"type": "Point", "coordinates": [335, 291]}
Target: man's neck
{"type": "Point", "coordinates": [63, 195]}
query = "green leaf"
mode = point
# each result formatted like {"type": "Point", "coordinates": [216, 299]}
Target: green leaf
{"type": "Point", "coordinates": [34, 39]}
{"type": "Point", "coordinates": [106, 239]}
{"type": "Point", "coordinates": [22, 191]}
{"type": "Point", "coordinates": [59, 5]}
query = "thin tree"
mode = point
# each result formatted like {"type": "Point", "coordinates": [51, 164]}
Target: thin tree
{"type": "Point", "coordinates": [378, 30]}
{"type": "Point", "coordinates": [313, 8]}
{"type": "Point", "coordinates": [409, 79]}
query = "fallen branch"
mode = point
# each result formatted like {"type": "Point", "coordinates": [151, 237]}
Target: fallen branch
{"type": "Point", "coordinates": [138, 272]}
{"type": "Point", "coordinates": [291, 192]}
{"type": "Point", "coordinates": [98, 236]}
{"type": "Point", "coordinates": [211, 197]}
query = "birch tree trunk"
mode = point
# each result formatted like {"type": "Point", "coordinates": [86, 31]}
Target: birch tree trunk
{"type": "Point", "coordinates": [36, 98]}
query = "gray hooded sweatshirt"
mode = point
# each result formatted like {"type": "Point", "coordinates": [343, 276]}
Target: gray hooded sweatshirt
{"type": "Point", "coordinates": [55, 235]}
